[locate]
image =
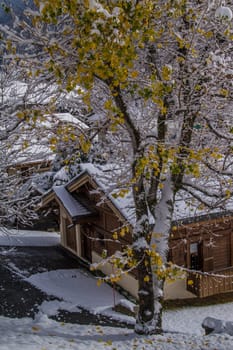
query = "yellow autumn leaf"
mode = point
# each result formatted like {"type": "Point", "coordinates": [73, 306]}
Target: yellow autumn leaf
{"type": "Point", "coordinates": [134, 74]}
{"type": "Point", "coordinates": [224, 92]}
{"type": "Point", "coordinates": [53, 140]}
{"type": "Point", "coordinates": [53, 148]}
{"type": "Point", "coordinates": [166, 73]}
{"type": "Point", "coordinates": [108, 342]}
{"type": "Point", "coordinates": [122, 232]}
{"type": "Point", "coordinates": [84, 144]}
{"type": "Point", "coordinates": [20, 115]}
{"type": "Point", "coordinates": [25, 144]}
{"type": "Point", "coordinates": [115, 279]}
{"type": "Point", "coordinates": [108, 104]}
{"type": "Point", "coordinates": [99, 282]}
{"type": "Point", "coordinates": [190, 282]}
{"type": "Point", "coordinates": [146, 278]}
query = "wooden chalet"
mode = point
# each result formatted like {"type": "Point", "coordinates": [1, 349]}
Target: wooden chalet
{"type": "Point", "coordinates": [37, 157]}
{"type": "Point", "coordinates": [205, 244]}
{"type": "Point", "coordinates": [88, 220]}
{"type": "Point", "coordinates": [28, 168]}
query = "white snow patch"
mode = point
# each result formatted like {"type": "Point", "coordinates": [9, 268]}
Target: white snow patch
{"type": "Point", "coordinates": [127, 304]}
{"type": "Point", "coordinates": [77, 287]}
{"type": "Point", "coordinates": [52, 307]}
{"type": "Point", "coordinates": [16, 237]}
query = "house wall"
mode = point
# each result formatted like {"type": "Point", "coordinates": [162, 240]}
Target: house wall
{"type": "Point", "coordinates": [127, 282]}
{"type": "Point", "coordinates": [177, 289]}
{"type": "Point", "coordinates": [27, 169]}
{"type": "Point", "coordinates": [63, 216]}
{"type": "Point", "coordinates": [102, 227]}
{"type": "Point", "coordinates": [172, 289]}
{"type": "Point", "coordinates": [78, 238]}
{"type": "Point", "coordinates": [69, 233]}
{"type": "Point", "coordinates": [210, 240]}
{"type": "Point", "coordinates": [206, 246]}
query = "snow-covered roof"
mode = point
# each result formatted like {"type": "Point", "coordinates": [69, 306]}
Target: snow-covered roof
{"type": "Point", "coordinates": [38, 147]}
{"type": "Point", "coordinates": [18, 91]}
{"type": "Point", "coordinates": [102, 176]}
{"type": "Point", "coordinates": [73, 206]}
{"type": "Point", "coordinates": [33, 153]}
{"type": "Point", "coordinates": [185, 207]}
{"type": "Point", "coordinates": [55, 118]}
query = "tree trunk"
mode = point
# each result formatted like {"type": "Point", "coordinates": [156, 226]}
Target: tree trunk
{"type": "Point", "coordinates": [150, 297]}
{"type": "Point", "coordinates": [160, 239]}
{"type": "Point", "coordinates": [149, 319]}
{"type": "Point", "coordinates": [146, 322]}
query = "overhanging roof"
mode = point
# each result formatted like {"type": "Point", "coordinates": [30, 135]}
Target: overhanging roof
{"type": "Point", "coordinates": [75, 206]}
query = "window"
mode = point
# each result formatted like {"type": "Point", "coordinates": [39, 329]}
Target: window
{"type": "Point", "coordinates": [195, 256]}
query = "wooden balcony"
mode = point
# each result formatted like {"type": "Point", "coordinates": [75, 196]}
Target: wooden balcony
{"type": "Point", "coordinates": [211, 283]}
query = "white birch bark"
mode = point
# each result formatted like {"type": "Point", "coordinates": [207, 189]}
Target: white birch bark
{"type": "Point", "coordinates": [160, 236]}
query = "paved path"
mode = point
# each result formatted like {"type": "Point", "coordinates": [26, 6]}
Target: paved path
{"type": "Point", "coordinates": [20, 299]}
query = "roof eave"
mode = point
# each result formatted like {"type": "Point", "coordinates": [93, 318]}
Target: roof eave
{"type": "Point", "coordinates": [82, 218]}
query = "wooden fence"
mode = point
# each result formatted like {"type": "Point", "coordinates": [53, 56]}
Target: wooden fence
{"type": "Point", "coordinates": [204, 285]}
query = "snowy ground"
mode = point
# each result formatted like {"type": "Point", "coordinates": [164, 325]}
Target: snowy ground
{"type": "Point", "coordinates": [28, 238]}
{"type": "Point", "coordinates": [79, 289]}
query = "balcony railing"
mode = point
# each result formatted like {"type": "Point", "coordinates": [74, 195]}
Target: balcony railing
{"type": "Point", "coordinates": [206, 284]}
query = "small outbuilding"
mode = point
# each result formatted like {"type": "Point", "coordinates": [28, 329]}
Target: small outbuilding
{"type": "Point", "coordinates": [88, 218]}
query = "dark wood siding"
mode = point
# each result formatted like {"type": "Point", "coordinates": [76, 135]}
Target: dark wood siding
{"type": "Point", "coordinates": [215, 240]}
{"type": "Point", "coordinates": [221, 251]}
{"type": "Point", "coordinates": [177, 252]}
{"type": "Point", "coordinates": [101, 228]}
{"type": "Point", "coordinates": [208, 258]}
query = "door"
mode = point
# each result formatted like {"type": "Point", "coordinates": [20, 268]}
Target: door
{"type": "Point", "coordinates": [208, 259]}
{"type": "Point", "coordinates": [221, 251]}
{"type": "Point", "coordinates": [70, 232]}
{"type": "Point", "coordinates": [86, 242]}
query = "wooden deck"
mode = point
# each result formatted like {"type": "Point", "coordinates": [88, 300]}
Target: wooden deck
{"type": "Point", "coordinates": [204, 285]}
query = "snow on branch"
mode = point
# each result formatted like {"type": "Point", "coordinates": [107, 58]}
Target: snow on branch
{"type": "Point", "coordinates": [217, 132]}
{"type": "Point", "coordinates": [203, 195]}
